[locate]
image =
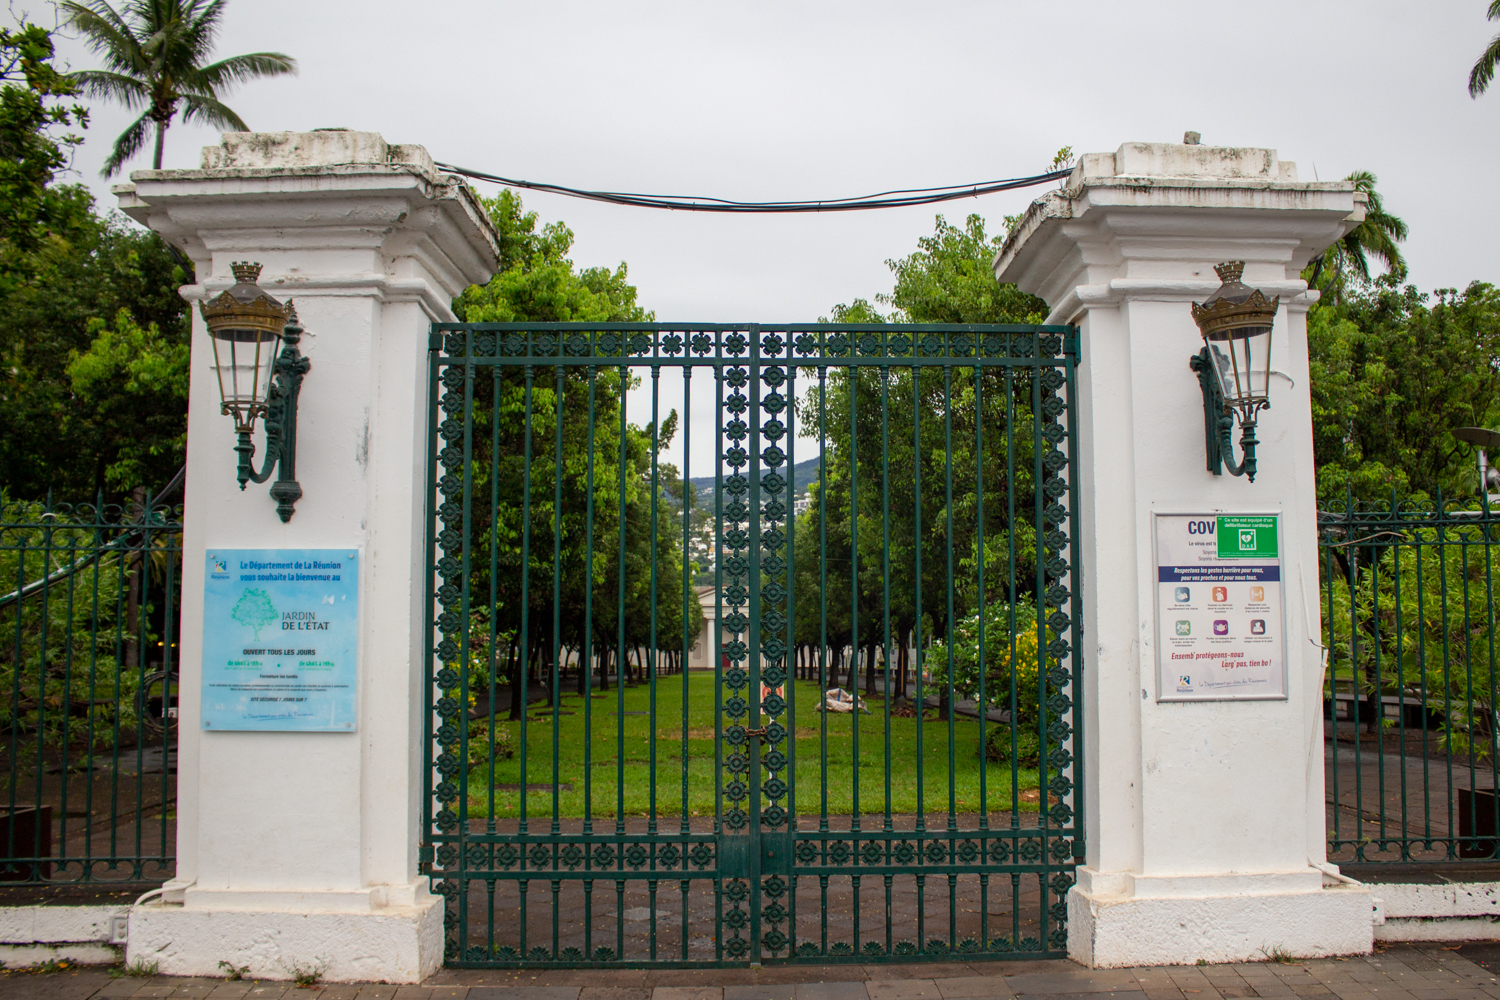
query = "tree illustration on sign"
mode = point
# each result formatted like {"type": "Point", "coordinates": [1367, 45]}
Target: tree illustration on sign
{"type": "Point", "coordinates": [254, 610]}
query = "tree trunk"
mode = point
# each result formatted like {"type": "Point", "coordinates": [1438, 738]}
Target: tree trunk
{"type": "Point", "coordinates": [901, 659]}
{"type": "Point", "coordinates": [520, 680]}
{"type": "Point", "coordinates": [161, 142]}
{"type": "Point", "coordinates": [870, 670]}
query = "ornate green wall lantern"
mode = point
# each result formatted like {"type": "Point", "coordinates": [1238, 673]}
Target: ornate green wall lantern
{"type": "Point", "coordinates": [260, 371]}
{"type": "Point", "coordinates": [1234, 367]}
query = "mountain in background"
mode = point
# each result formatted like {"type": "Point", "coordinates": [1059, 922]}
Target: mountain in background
{"type": "Point", "coordinates": [803, 475]}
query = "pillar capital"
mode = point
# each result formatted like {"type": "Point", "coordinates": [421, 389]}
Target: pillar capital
{"type": "Point", "coordinates": [1151, 219]}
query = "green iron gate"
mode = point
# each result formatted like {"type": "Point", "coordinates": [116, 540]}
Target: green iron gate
{"type": "Point", "coordinates": [593, 798]}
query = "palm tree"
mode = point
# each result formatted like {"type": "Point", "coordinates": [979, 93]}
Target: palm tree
{"type": "Point", "coordinates": [1484, 70]}
{"type": "Point", "coordinates": [154, 53]}
{"type": "Point", "coordinates": [1376, 237]}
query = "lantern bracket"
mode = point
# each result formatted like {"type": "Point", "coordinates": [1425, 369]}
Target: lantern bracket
{"type": "Point", "coordinates": [281, 427]}
{"type": "Point", "coordinates": [1218, 423]}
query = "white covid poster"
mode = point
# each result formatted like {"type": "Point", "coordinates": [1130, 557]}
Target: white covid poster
{"type": "Point", "coordinates": [1220, 628]}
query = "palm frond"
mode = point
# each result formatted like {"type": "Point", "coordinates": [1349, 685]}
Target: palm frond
{"type": "Point", "coordinates": [201, 26]}
{"type": "Point", "coordinates": [112, 86]}
{"type": "Point", "coordinates": [1494, 14]}
{"type": "Point", "coordinates": [1484, 70]}
{"type": "Point", "coordinates": [106, 34]}
{"type": "Point", "coordinates": [201, 108]}
{"type": "Point", "coordinates": [127, 145]}
{"type": "Point", "coordinates": [238, 69]}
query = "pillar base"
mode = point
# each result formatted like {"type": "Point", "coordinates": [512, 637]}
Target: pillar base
{"type": "Point", "coordinates": [400, 943]}
{"type": "Point", "coordinates": [1114, 922]}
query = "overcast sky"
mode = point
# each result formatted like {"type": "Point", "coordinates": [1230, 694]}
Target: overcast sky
{"type": "Point", "coordinates": [818, 99]}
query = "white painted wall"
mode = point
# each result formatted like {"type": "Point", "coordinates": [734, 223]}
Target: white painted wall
{"type": "Point", "coordinates": [372, 243]}
{"type": "Point", "coordinates": [1205, 820]}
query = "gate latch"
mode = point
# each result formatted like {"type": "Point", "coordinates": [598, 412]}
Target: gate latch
{"type": "Point", "coordinates": [755, 732]}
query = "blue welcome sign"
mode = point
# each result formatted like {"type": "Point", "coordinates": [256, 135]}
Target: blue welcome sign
{"type": "Point", "coordinates": [280, 638]}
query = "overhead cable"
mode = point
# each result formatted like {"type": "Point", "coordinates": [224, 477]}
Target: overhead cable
{"type": "Point", "coordinates": [695, 203]}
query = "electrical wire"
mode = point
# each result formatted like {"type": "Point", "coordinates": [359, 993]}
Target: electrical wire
{"type": "Point", "coordinates": [901, 198]}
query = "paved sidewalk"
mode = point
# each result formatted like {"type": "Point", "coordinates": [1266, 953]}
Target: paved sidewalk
{"type": "Point", "coordinates": [1402, 972]}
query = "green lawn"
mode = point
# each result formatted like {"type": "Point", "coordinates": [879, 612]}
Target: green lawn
{"type": "Point", "coordinates": [608, 793]}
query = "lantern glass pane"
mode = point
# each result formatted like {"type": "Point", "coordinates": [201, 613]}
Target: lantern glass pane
{"type": "Point", "coordinates": [1241, 363]}
{"type": "Point", "coordinates": [245, 360]}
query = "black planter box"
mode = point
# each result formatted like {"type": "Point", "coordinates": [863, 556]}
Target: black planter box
{"type": "Point", "coordinates": [26, 832]}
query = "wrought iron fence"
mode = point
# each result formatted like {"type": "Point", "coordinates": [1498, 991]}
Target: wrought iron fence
{"type": "Point", "coordinates": [1410, 719]}
{"type": "Point", "coordinates": [88, 635]}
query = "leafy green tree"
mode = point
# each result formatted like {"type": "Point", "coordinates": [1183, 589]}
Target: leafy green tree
{"type": "Point", "coordinates": [871, 423]}
{"type": "Point", "coordinates": [1484, 68]}
{"type": "Point", "coordinates": [81, 416]}
{"type": "Point", "coordinates": [155, 54]}
{"type": "Point", "coordinates": [538, 282]}
{"type": "Point", "coordinates": [949, 279]}
{"type": "Point", "coordinates": [65, 275]}
{"type": "Point", "coordinates": [1392, 374]}
{"type": "Point", "coordinates": [1349, 259]}
{"type": "Point", "coordinates": [34, 107]}
{"type": "Point", "coordinates": [66, 664]}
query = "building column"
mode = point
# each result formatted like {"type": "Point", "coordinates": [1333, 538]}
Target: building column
{"type": "Point", "coordinates": [299, 849]}
{"type": "Point", "coordinates": [1205, 819]}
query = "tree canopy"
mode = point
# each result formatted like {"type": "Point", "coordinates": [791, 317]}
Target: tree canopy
{"type": "Point", "coordinates": [93, 336]}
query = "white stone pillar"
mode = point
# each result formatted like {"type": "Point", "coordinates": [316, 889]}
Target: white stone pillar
{"type": "Point", "coordinates": [300, 849]}
{"type": "Point", "coordinates": [1204, 820]}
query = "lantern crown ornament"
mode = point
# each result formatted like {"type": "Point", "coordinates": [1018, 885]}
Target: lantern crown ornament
{"type": "Point", "coordinates": [1234, 305]}
{"type": "Point", "coordinates": [245, 306]}
{"type": "Point", "coordinates": [260, 366]}
{"type": "Point", "coordinates": [1234, 366]}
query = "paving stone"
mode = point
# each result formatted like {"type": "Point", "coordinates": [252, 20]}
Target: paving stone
{"type": "Point", "coordinates": [971, 986]}
{"type": "Point", "coordinates": [832, 991]}
{"type": "Point", "coordinates": [414, 993]}
{"type": "Point", "coordinates": [894, 989]}
{"type": "Point", "coordinates": [193, 992]}
{"type": "Point", "coordinates": [377, 991]}
{"type": "Point", "coordinates": [1310, 989]}
{"type": "Point", "coordinates": [1111, 995]}
{"type": "Point", "coordinates": [1070, 982]}
{"type": "Point", "coordinates": [923, 970]}
{"type": "Point", "coordinates": [614, 993]}
{"type": "Point", "coordinates": [781, 991]}
{"type": "Point", "coordinates": [515, 993]}
{"type": "Point", "coordinates": [233, 991]}
{"type": "Point", "coordinates": [1172, 994]}
{"type": "Point", "coordinates": [438, 993]}
{"type": "Point", "coordinates": [688, 993]}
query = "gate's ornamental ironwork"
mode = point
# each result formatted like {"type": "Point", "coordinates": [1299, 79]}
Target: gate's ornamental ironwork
{"type": "Point", "coordinates": [958, 437]}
